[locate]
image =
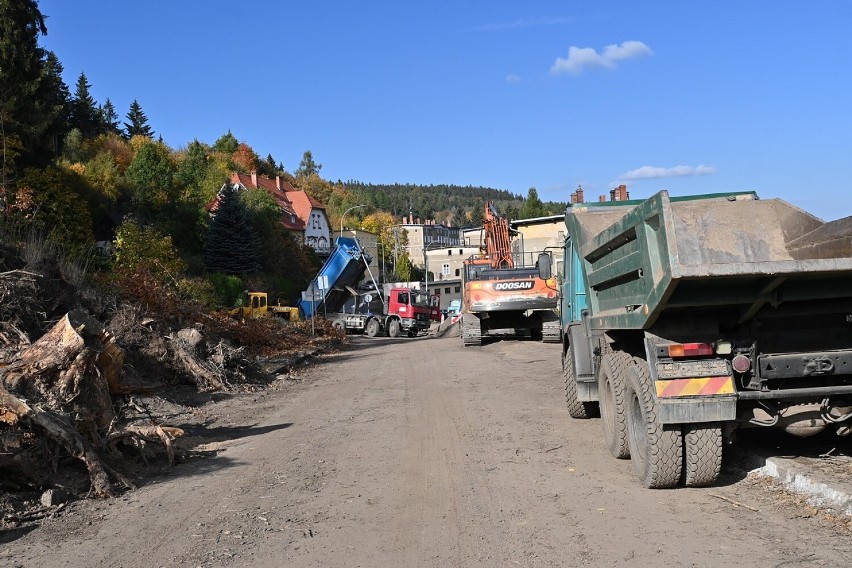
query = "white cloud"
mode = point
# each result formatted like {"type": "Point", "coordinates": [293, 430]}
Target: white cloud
{"type": "Point", "coordinates": [513, 78]}
{"type": "Point", "coordinates": [580, 58]}
{"type": "Point", "coordinates": [654, 172]}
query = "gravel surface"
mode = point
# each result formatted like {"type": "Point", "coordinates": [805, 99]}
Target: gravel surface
{"type": "Point", "coordinates": [419, 452]}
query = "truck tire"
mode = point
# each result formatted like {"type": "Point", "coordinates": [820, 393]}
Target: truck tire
{"type": "Point", "coordinates": [576, 408]}
{"type": "Point", "coordinates": [656, 450]}
{"type": "Point", "coordinates": [339, 324]}
{"type": "Point", "coordinates": [393, 328]}
{"type": "Point", "coordinates": [611, 378]}
{"type": "Point", "coordinates": [372, 329]}
{"type": "Point", "coordinates": [702, 454]}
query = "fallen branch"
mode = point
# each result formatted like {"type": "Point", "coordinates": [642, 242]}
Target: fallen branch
{"type": "Point", "coordinates": [732, 502]}
{"type": "Point", "coordinates": [65, 435]}
{"type": "Point", "coordinates": [18, 273]}
{"type": "Point", "coordinates": [35, 515]}
{"type": "Point", "coordinates": [152, 433]}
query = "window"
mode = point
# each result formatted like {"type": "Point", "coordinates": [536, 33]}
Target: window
{"type": "Point", "coordinates": [457, 273]}
{"type": "Point", "coordinates": [402, 298]}
{"type": "Point", "coordinates": [449, 253]}
{"type": "Point", "coordinates": [445, 269]}
{"type": "Point", "coordinates": [458, 288]}
{"type": "Point", "coordinates": [446, 290]}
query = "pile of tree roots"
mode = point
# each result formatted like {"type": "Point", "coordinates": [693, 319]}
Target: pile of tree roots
{"type": "Point", "coordinates": [73, 364]}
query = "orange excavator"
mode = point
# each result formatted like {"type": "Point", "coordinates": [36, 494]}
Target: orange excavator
{"type": "Point", "coordinates": [504, 295]}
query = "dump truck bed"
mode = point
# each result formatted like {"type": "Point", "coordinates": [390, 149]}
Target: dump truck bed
{"type": "Point", "coordinates": [642, 258]}
{"type": "Point", "coordinates": [344, 268]}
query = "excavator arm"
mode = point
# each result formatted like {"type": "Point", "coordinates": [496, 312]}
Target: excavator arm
{"type": "Point", "coordinates": [498, 242]}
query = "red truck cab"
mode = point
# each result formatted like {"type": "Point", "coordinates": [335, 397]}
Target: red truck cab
{"type": "Point", "coordinates": [408, 310]}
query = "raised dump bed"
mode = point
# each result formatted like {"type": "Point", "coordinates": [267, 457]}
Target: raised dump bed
{"type": "Point", "coordinates": [342, 270]}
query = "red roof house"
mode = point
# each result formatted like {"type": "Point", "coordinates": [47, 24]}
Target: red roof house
{"type": "Point", "coordinates": [299, 211]}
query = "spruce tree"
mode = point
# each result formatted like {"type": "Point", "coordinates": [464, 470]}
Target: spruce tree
{"type": "Point", "coordinates": [231, 246]}
{"type": "Point", "coordinates": [533, 207]}
{"type": "Point", "coordinates": [109, 118]}
{"type": "Point", "coordinates": [138, 122]}
{"type": "Point", "coordinates": [32, 108]}
{"type": "Point", "coordinates": [84, 113]}
{"type": "Point", "coordinates": [226, 143]}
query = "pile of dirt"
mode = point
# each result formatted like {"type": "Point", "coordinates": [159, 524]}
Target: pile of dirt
{"type": "Point", "coordinates": [82, 373]}
{"type": "Point", "coordinates": [448, 328]}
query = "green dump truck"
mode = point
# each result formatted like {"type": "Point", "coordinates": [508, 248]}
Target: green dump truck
{"type": "Point", "coordinates": [687, 318]}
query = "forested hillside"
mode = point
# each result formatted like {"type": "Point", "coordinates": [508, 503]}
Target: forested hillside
{"type": "Point", "coordinates": [74, 173]}
{"type": "Point", "coordinates": [451, 204]}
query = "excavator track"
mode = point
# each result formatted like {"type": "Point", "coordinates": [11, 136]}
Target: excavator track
{"type": "Point", "coordinates": [471, 330]}
{"type": "Point", "coordinates": [551, 328]}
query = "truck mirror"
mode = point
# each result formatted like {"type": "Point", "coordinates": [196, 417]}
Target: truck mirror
{"type": "Point", "coordinates": [544, 266]}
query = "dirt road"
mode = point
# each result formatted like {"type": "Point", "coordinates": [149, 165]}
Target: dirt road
{"type": "Point", "coordinates": [424, 453]}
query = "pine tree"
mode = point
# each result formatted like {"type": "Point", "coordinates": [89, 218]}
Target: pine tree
{"type": "Point", "coordinates": [138, 122]}
{"type": "Point", "coordinates": [231, 246]}
{"type": "Point", "coordinates": [308, 166]}
{"type": "Point", "coordinates": [84, 113]}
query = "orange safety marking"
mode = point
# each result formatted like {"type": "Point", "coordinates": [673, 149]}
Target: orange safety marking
{"type": "Point", "coordinates": [706, 386]}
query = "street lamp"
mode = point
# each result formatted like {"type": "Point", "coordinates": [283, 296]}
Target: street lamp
{"type": "Point", "coordinates": [430, 246]}
{"type": "Point", "coordinates": [344, 215]}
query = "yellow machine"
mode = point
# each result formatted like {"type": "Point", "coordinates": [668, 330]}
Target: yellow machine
{"type": "Point", "coordinates": [258, 306]}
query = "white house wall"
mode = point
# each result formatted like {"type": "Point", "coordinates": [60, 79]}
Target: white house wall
{"type": "Point", "coordinates": [317, 233]}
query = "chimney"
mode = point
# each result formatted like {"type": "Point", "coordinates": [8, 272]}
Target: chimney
{"type": "Point", "coordinates": [254, 178]}
{"type": "Point", "coordinates": [579, 193]}
{"type": "Point", "coordinates": [602, 198]}
{"type": "Point", "coordinates": [278, 183]}
{"type": "Point", "coordinates": [622, 193]}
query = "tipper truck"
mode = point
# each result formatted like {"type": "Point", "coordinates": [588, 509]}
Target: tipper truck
{"type": "Point", "coordinates": [687, 318]}
{"type": "Point", "coordinates": [332, 294]}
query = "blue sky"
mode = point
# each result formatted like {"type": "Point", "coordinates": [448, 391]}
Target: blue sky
{"type": "Point", "coordinates": [693, 97]}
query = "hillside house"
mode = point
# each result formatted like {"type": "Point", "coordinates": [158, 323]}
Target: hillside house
{"type": "Point", "coordinates": [300, 213]}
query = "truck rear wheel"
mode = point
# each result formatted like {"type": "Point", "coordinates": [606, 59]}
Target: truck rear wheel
{"type": "Point", "coordinates": [576, 408]}
{"type": "Point", "coordinates": [372, 329]}
{"type": "Point", "coordinates": [656, 450]}
{"type": "Point", "coordinates": [393, 328]}
{"type": "Point", "coordinates": [611, 379]}
{"type": "Point", "coordinates": [702, 454]}
{"type": "Point", "coordinates": [339, 324]}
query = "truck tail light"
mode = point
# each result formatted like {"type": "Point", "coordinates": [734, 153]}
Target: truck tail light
{"type": "Point", "coordinates": [690, 349]}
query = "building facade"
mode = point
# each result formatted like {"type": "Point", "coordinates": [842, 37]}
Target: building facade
{"type": "Point", "coordinates": [300, 213]}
